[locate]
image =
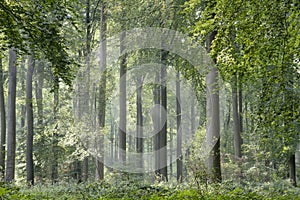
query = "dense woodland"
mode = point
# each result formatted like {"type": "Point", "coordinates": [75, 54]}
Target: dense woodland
{"type": "Point", "coordinates": [149, 99]}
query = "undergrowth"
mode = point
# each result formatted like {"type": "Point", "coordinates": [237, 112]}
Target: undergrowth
{"type": "Point", "coordinates": [138, 190]}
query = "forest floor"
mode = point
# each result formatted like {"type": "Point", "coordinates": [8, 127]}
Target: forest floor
{"type": "Point", "coordinates": [129, 190]}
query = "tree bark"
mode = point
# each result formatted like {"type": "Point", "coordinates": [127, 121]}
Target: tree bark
{"type": "Point", "coordinates": [87, 62]}
{"type": "Point", "coordinates": [122, 99]}
{"type": "Point", "coordinates": [11, 124]}
{"type": "Point", "coordinates": [213, 120]}
{"type": "Point", "coordinates": [163, 114]}
{"type": "Point", "coordinates": [139, 123]}
{"type": "Point", "coordinates": [179, 131]}
{"type": "Point", "coordinates": [102, 92]}
{"type": "Point", "coordinates": [29, 141]}
{"type": "Point", "coordinates": [54, 166]}
{"type": "Point", "coordinates": [156, 123]}
{"type": "Point", "coordinates": [3, 124]}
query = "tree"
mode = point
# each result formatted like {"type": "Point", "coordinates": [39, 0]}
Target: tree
{"type": "Point", "coordinates": [30, 122]}
{"type": "Point", "coordinates": [213, 119]}
{"type": "Point", "coordinates": [11, 118]}
{"type": "Point", "coordinates": [139, 122]}
{"type": "Point", "coordinates": [3, 123]}
{"type": "Point", "coordinates": [261, 55]}
{"type": "Point", "coordinates": [102, 92]}
{"type": "Point", "coordinates": [179, 130]}
{"type": "Point", "coordinates": [163, 115]}
{"type": "Point", "coordinates": [122, 112]}
{"type": "Point", "coordinates": [54, 161]}
{"type": "Point", "coordinates": [155, 115]}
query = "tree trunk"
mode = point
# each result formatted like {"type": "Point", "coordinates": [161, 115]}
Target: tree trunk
{"type": "Point", "coordinates": [11, 124]}
{"type": "Point", "coordinates": [29, 141]}
{"type": "Point", "coordinates": [156, 123]}
{"type": "Point", "coordinates": [179, 131]}
{"type": "Point", "coordinates": [87, 62]}
{"type": "Point", "coordinates": [213, 120]}
{"type": "Point", "coordinates": [39, 126]}
{"type": "Point", "coordinates": [54, 166]}
{"type": "Point", "coordinates": [122, 114]}
{"type": "Point", "coordinates": [3, 124]}
{"type": "Point", "coordinates": [163, 114]}
{"type": "Point", "coordinates": [102, 93]}
{"type": "Point", "coordinates": [139, 123]}
{"type": "Point", "coordinates": [23, 94]}
{"type": "Point", "coordinates": [236, 120]}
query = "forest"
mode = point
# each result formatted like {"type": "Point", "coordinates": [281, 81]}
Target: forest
{"type": "Point", "coordinates": [149, 99]}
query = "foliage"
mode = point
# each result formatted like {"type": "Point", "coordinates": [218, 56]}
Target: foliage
{"type": "Point", "coordinates": [25, 29]}
{"type": "Point", "coordinates": [137, 190]}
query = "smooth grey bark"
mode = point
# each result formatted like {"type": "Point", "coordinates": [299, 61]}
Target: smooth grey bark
{"type": "Point", "coordinates": [54, 166]}
{"type": "Point", "coordinates": [102, 93]}
{"type": "Point", "coordinates": [139, 122]}
{"type": "Point", "coordinates": [30, 122]}
{"type": "Point", "coordinates": [39, 84]}
{"type": "Point", "coordinates": [122, 103]}
{"type": "Point", "coordinates": [156, 123]}
{"type": "Point", "coordinates": [87, 62]}
{"type": "Point", "coordinates": [3, 124]}
{"type": "Point", "coordinates": [11, 118]}
{"type": "Point", "coordinates": [22, 73]}
{"type": "Point", "coordinates": [163, 133]}
{"type": "Point", "coordinates": [213, 120]}
{"type": "Point", "coordinates": [179, 130]}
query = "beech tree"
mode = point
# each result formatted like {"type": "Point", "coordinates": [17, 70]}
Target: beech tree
{"type": "Point", "coordinates": [11, 118]}
{"type": "Point", "coordinates": [3, 123]}
{"type": "Point", "coordinates": [30, 122]}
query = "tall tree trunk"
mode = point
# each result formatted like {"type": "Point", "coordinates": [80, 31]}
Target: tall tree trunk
{"type": "Point", "coordinates": [23, 89]}
{"type": "Point", "coordinates": [122, 114]}
{"type": "Point", "coordinates": [156, 123]}
{"type": "Point", "coordinates": [236, 119]}
{"type": "Point", "coordinates": [139, 123]}
{"type": "Point", "coordinates": [213, 120]}
{"type": "Point", "coordinates": [54, 166]}
{"type": "Point", "coordinates": [87, 62]}
{"type": "Point", "coordinates": [29, 141]}
{"type": "Point", "coordinates": [39, 127]}
{"type": "Point", "coordinates": [3, 124]}
{"type": "Point", "coordinates": [163, 114]}
{"type": "Point", "coordinates": [179, 131]}
{"type": "Point", "coordinates": [102, 92]}
{"type": "Point", "coordinates": [11, 124]}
